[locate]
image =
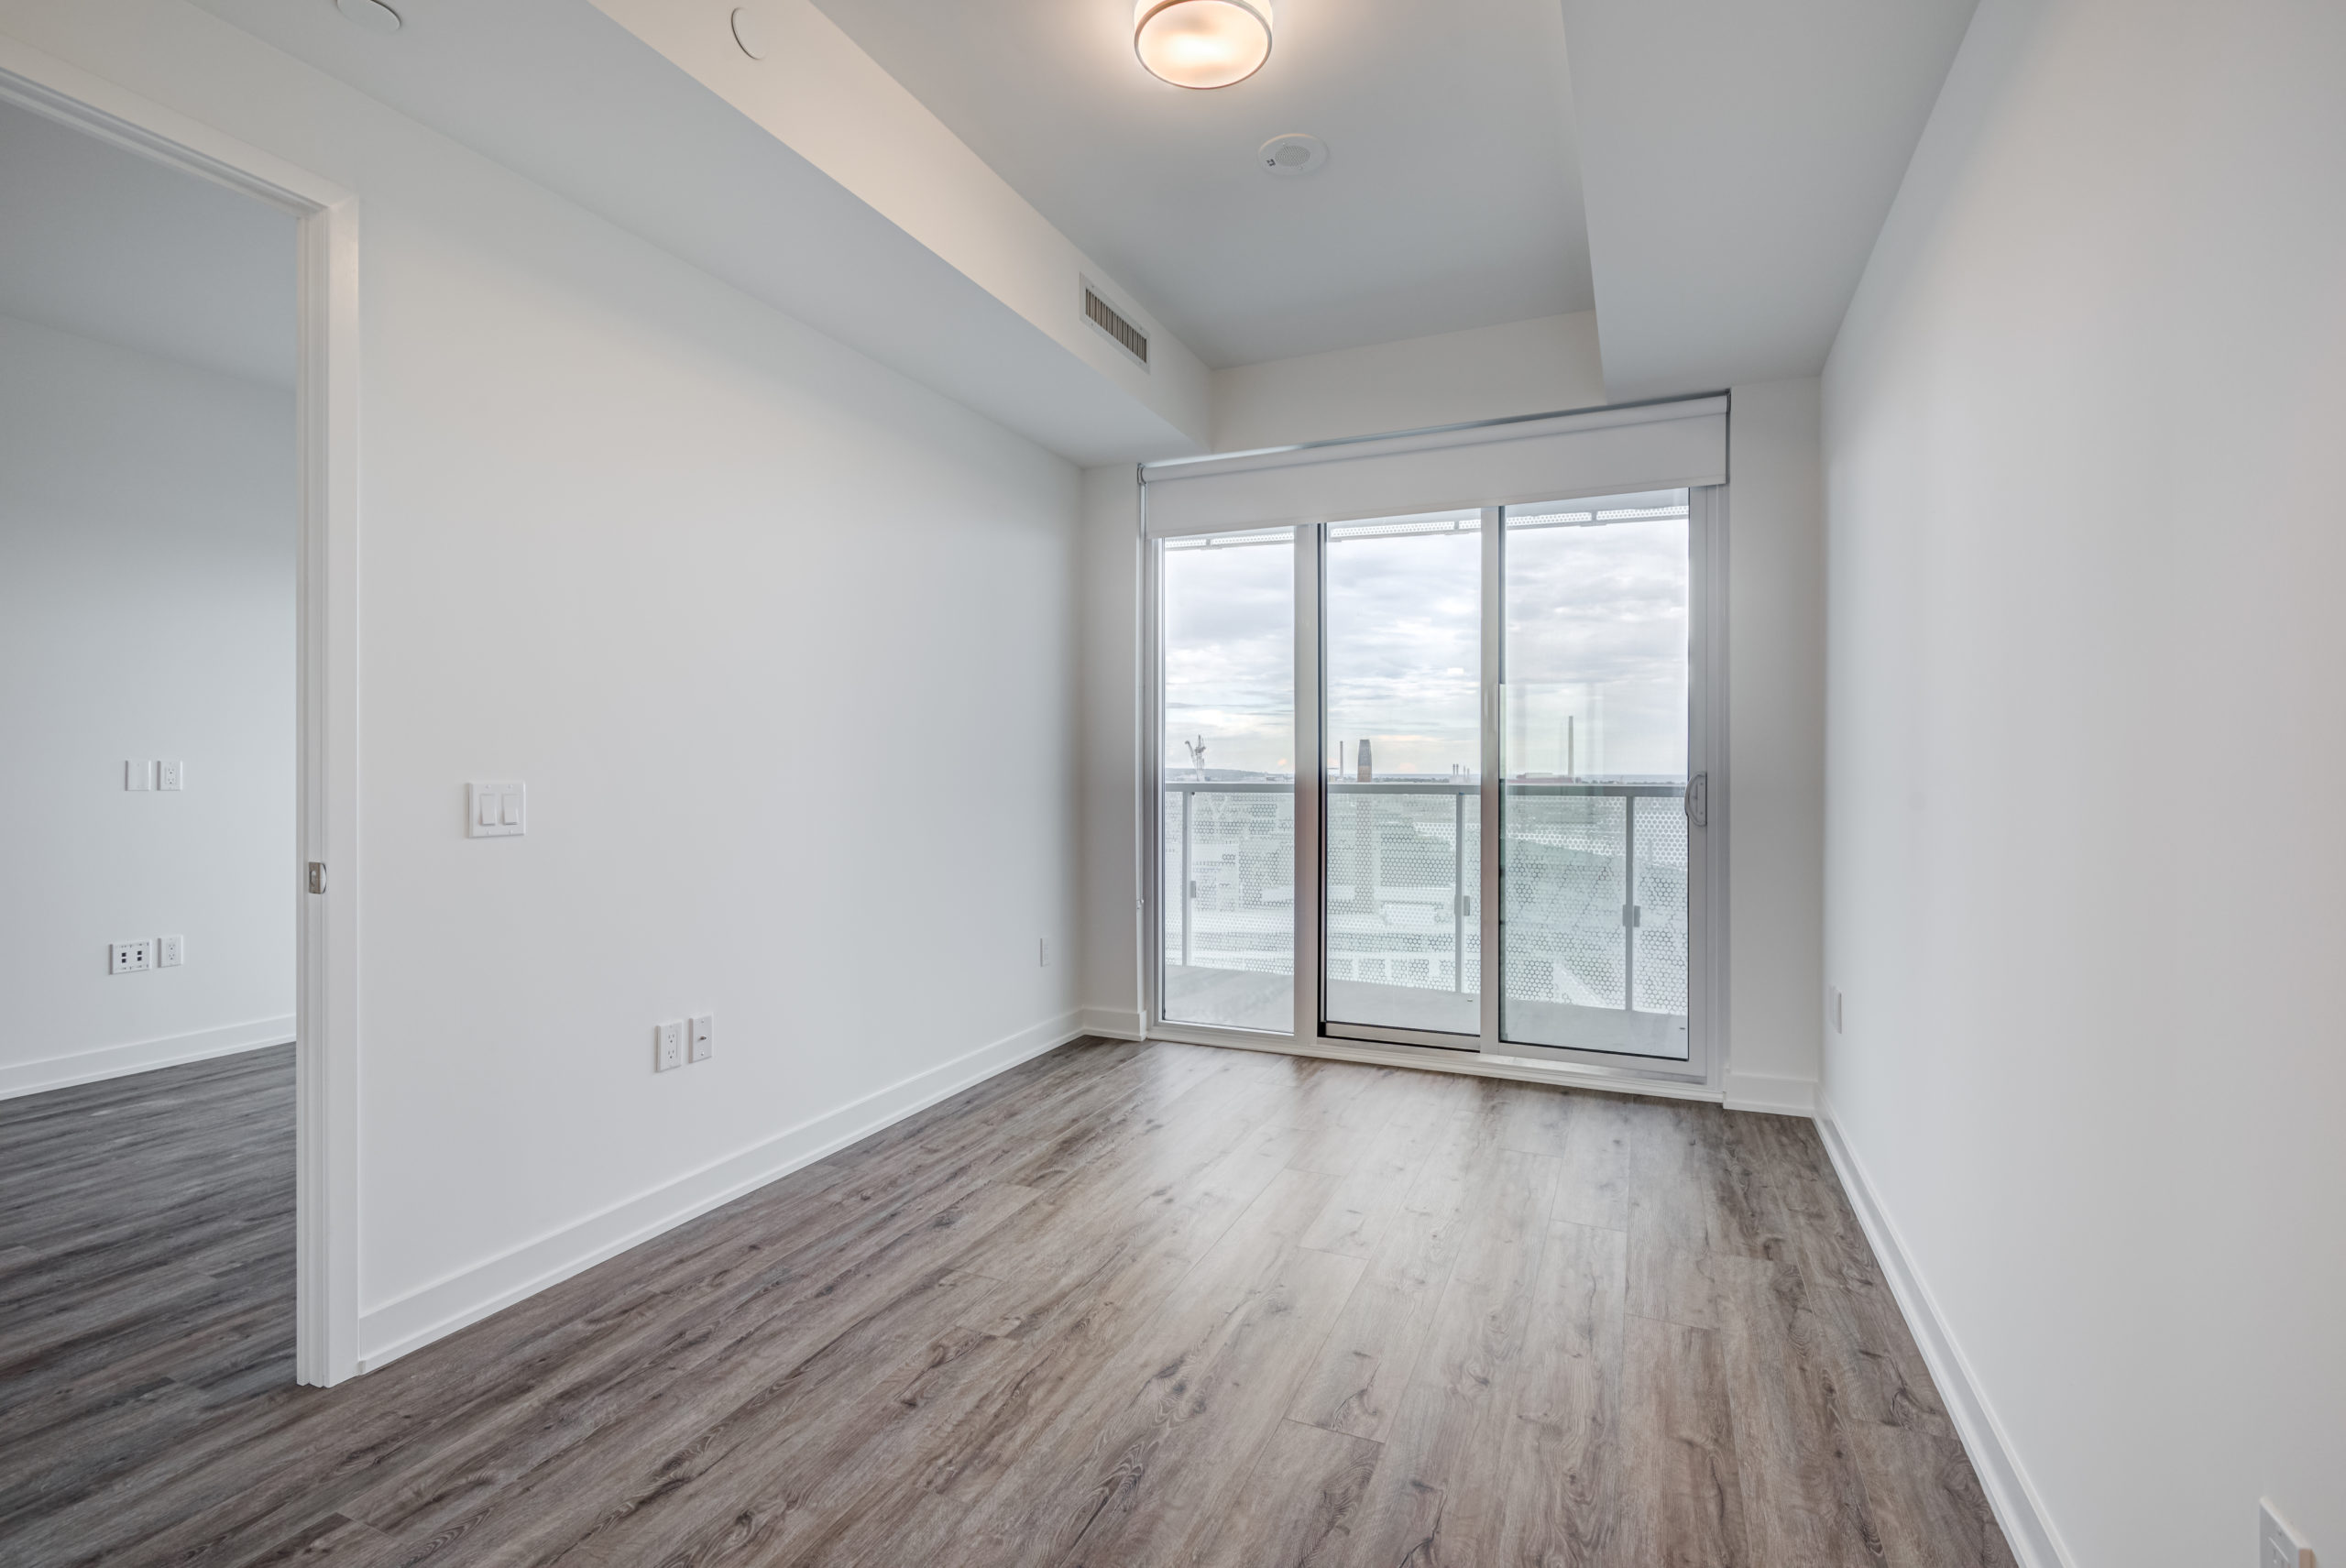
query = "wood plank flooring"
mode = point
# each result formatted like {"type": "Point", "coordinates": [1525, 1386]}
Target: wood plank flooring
{"type": "Point", "coordinates": [1124, 1305]}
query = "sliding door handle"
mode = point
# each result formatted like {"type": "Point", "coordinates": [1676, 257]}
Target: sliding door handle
{"type": "Point", "coordinates": [1698, 800]}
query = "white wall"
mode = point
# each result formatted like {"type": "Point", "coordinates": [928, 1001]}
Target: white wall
{"type": "Point", "coordinates": [146, 521]}
{"type": "Point", "coordinates": [783, 645]}
{"type": "Point", "coordinates": [1112, 749]}
{"type": "Point", "coordinates": [2086, 538]}
{"type": "Point", "coordinates": [1775, 746]}
{"type": "Point", "coordinates": [1541, 366]}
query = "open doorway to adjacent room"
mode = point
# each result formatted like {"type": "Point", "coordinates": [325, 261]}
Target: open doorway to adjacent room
{"type": "Point", "coordinates": [150, 513]}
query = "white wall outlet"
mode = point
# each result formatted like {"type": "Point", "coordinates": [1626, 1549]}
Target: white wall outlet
{"type": "Point", "coordinates": [128, 957]}
{"type": "Point", "coordinates": [138, 775]}
{"type": "Point", "coordinates": [170, 952]}
{"type": "Point", "coordinates": [2277, 1545]}
{"type": "Point", "coordinates": [170, 775]}
{"type": "Point", "coordinates": [667, 1048]}
{"type": "Point", "coordinates": [495, 808]}
{"type": "Point", "coordinates": [1043, 952]}
{"type": "Point", "coordinates": [703, 1031]}
{"type": "Point", "coordinates": [1833, 1007]}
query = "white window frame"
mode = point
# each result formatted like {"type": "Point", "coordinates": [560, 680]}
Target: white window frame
{"type": "Point", "coordinates": [1700, 1074]}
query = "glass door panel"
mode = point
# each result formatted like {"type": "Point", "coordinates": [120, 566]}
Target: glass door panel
{"type": "Point", "coordinates": [1400, 614]}
{"type": "Point", "coordinates": [1592, 841]}
{"type": "Point", "coordinates": [1228, 781]}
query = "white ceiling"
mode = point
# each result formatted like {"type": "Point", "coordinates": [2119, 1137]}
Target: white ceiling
{"type": "Point", "coordinates": [1732, 209]}
{"type": "Point", "coordinates": [563, 94]}
{"type": "Point", "coordinates": [1450, 197]}
{"type": "Point", "coordinates": [102, 243]}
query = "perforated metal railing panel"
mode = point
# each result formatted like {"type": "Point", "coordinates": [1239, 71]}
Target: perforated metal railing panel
{"type": "Point", "coordinates": [1564, 886]}
{"type": "Point", "coordinates": [1592, 914]}
{"type": "Point", "coordinates": [1236, 905]}
{"type": "Point", "coordinates": [1395, 914]}
{"type": "Point", "coordinates": [1661, 929]}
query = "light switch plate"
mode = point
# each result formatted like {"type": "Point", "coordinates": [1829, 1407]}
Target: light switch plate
{"type": "Point", "coordinates": [138, 775]}
{"type": "Point", "coordinates": [496, 808]}
{"type": "Point", "coordinates": [170, 774]}
{"type": "Point", "coordinates": [2278, 1545]}
{"type": "Point", "coordinates": [704, 1036]}
{"type": "Point", "coordinates": [170, 952]}
{"type": "Point", "coordinates": [668, 1047]}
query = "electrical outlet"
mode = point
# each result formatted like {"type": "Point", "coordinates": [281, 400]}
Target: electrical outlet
{"type": "Point", "coordinates": [704, 1036]}
{"type": "Point", "coordinates": [128, 957]}
{"type": "Point", "coordinates": [170, 952]}
{"type": "Point", "coordinates": [138, 775]}
{"type": "Point", "coordinates": [1043, 952]}
{"type": "Point", "coordinates": [2277, 1545]}
{"type": "Point", "coordinates": [170, 775]}
{"type": "Point", "coordinates": [667, 1047]}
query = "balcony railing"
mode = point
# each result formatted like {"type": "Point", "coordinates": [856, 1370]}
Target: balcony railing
{"type": "Point", "coordinates": [1594, 914]}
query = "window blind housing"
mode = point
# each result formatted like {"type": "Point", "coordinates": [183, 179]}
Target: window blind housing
{"type": "Point", "coordinates": [1653, 447]}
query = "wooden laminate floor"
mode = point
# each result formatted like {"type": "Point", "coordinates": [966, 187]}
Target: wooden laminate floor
{"type": "Point", "coordinates": [1127, 1304]}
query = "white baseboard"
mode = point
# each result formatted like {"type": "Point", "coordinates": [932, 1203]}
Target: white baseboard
{"type": "Point", "coordinates": [141, 1056]}
{"type": "Point", "coordinates": [1115, 1023]}
{"type": "Point", "coordinates": [1777, 1094]}
{"type": "Point", "coordinates": [2019, 1510]}
{"type": "Point", "coordinates": [411, 1322]}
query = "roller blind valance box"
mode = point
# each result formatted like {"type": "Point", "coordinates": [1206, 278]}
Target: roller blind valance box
{"type": "Point", "coordinates": [1650, 446]}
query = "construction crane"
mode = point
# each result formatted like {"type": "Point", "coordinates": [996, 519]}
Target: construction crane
{"type": "Point", "coordinates": [1197, 749]}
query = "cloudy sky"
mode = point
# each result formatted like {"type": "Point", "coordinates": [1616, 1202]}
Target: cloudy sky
{"type": "Point", "coordinates": [1596, 631]}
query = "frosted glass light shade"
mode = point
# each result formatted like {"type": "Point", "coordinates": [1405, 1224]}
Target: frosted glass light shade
{"type": "Point", "coordinates": [1203, 43]}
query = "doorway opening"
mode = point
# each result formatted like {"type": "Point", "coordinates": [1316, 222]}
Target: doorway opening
{"type": "Point", "coordinates": [181, 497]}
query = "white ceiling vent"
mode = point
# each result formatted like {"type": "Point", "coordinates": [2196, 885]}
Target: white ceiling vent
{"type": "Point", "coordinates": [1292, 154]}
{"type": "Point", "coordinates": [1111, 322]}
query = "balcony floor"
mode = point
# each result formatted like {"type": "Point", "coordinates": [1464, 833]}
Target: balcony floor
{"type": "Point", "coordinates": [1126, 1303]}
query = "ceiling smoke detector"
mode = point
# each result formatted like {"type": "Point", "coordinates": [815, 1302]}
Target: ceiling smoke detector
{"type": "Point", "coordinates": [371, 15]}
{"type": "Point", "coordinates": [1291, 155]}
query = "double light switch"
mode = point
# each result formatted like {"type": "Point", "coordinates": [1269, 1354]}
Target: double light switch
{"type": "Point", "coordinates": [495, 808]}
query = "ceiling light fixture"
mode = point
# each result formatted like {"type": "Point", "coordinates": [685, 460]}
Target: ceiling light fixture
{"type": "Point", "coordinates": [1203, 43]}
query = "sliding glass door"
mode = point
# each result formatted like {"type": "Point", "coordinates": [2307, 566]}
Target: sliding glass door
{"type": "Point", "coordinates": [1502, 846]}
{"type": "Point", "coordinates": [1594, 811]}
{"type": "Point", "coordinates": [1226, 835]}
{"type": "Point", "coordinates": [1400, 617]}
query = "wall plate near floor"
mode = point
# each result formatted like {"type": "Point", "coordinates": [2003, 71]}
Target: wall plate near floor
{"type": "Point", "coordinates": [702, 1031]}
{"type": "Point", "coordinates": [2277, 1544]}
{"type": "Point", "coordinates": [170, 952]}
{"type": "Point", "coordinates": [668, 1047]}
{"type": "Point", "coordinates": [128, 957]}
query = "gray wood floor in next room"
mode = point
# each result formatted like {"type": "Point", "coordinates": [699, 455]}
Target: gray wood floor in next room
{"type": "Point", "coordinates": [1126, 1304]}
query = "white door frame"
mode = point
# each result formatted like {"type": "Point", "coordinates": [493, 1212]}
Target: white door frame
{"type": "Point", "coordinates": [326, 422]}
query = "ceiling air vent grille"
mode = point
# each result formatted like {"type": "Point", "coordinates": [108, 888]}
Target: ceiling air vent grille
{"type": "Point", "coordinates": [1122, 333]}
